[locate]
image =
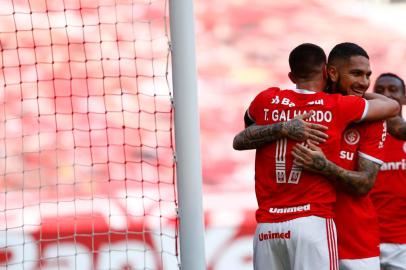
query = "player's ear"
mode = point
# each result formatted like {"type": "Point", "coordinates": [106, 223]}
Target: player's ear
{"type": "Point", "coordinates": [325, 75]}
{"type": "Point", "coordinates": [332, 73]}
{"type": "Point", "coordinates": [291, 77]}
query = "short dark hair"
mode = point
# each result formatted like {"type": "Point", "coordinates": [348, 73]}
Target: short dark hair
{"type": "Point", "coordinates": [306, 61]}
{"type": "Point", "coordinates": [344, 51]}
{"type": "Point", "coordinates": [388, 74]}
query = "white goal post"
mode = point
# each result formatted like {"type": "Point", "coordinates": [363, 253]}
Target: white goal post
{"type": "Point", "coordinates": [187, 135]}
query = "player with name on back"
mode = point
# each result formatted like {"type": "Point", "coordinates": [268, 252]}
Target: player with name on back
{"type": "Point", "coordinates": [289, 199]}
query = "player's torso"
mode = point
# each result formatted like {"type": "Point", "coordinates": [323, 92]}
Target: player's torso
{"type": "Point", "coordinates": [356, 220]}
{"type": "Point", "coordinates": [389, 192]}
{"type": "Point", "coordinates": [283, 190]}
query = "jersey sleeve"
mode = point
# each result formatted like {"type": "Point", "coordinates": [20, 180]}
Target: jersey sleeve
{"type": "Point", "coordinates": [372, 142]}
{"type": "Point", "coordinates": [248, 121]}
{"type": "Point", "coordinates": [352, 108]}
{"type": "Point", "coordinates": [252, 112]}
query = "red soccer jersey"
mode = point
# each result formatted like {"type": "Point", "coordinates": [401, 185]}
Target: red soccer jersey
{"type": "Point", "coordinates": [283, 190]}
{"type": "Point", "coordinates": [356, 219]}
{"type": "Point", "coordinates": [389, 193]}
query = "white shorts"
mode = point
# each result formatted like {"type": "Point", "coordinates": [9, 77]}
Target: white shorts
{"type": "Point", "coordinates": [360, 264]}
{"type": "Point", "coordinates": [393, 256]}
{"type": "Point", "coordinates": [306, 243]}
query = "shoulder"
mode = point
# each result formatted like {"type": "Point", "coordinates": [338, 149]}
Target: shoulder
{"type": "Point", "coordinates": [354, 107]}
{"type": "Point", "coordinates": [265, 95]}
{"type": "Point", "coordinates": [347, 98]}
{"type": "Point", "coordinates": [332, 98]}
{"type": "Point", "coordinates": [371, 127]}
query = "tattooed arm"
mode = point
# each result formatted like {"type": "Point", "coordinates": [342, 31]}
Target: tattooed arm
{"type": "Point", "coordinates": [397, 127]}
{"type": "Point", "coordinates": [357, 182]}
{"type": "Point", "coordinates": [255, 136]}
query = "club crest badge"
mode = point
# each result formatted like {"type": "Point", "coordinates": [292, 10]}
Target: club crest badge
{"type": "Point", "coordinates": [404, 147]}
{"type": "Point", "coordinates": [351, 136]}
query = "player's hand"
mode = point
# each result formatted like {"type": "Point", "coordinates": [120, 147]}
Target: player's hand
{"type": "Point", "coordinates": [300, 130]}
{"type": "Point", "coordinates": [402, 100]}
{"type": "Point", "coordinates": [310, 158]}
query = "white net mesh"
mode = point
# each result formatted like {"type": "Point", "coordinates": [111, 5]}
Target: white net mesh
{"type": "Point", "coordinates": [86, 153]}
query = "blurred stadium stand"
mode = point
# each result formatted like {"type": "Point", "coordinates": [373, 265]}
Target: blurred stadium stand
{"type": "Point", "coordinates": [242, 48]}
{"type": "Point", "coordinates": [252, 40]}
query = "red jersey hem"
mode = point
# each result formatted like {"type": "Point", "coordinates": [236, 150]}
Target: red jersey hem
{"type": "Point", "coordinates": [352, 256]}
{"type": "Point", "coordinates": [291, 217]}
{"type": "Point", "coordinates": [391, 241]}
{"type": "Point", "coordinates": [358, 257]}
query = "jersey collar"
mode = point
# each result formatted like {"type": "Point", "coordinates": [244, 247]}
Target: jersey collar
{"type": "Point", "coordinates": [303, 91]}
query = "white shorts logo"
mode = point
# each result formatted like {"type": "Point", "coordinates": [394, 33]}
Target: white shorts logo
{"type": "Point", "coordinates": [351, 136]}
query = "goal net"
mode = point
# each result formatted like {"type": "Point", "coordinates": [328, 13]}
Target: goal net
{"type": "Point", "coordinates": [86, 151]}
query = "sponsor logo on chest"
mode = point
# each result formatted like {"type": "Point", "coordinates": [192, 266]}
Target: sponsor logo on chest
{"type": "Point", "coordinates": [394, 165]}
{"type": "Point", "coordinates": [346, 155]}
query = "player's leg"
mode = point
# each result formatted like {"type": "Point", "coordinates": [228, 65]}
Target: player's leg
{"type": "Point", "coordinates": [393, 256]}
{"type": "Point", "coordinates": [269, 253]}
{"type": "Point", "coordinates": [314, 244]}
{"type": "Point", "coordinates": [372, 263]}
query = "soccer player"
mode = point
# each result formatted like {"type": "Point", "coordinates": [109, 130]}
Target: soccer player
{"type": "Point", "coordinates": [389, 192]}
{"type": "Point", "coordinates": [392, 86]}
{"type": "Point", "coordinates": [295, 228]}
{"type": "Point", "coordinates": [361, 150]}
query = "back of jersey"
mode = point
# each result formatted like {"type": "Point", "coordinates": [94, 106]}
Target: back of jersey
{"type": "Point", "coordinates": [284, 191]}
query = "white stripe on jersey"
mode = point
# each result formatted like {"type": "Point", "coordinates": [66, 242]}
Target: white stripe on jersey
{"type": "Point", "coordinates": [280, 160]}
{"type": "Point", "coordinates": [364, 114]}
{"type": "Point", "coordinates": [280, 152]}
{"type": "Point", "coordinates": [371, 158]}
{"type": "Point", "coordinates": [295, 174]}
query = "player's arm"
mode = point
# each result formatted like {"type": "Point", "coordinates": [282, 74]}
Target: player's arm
{"type": "Point", "coordinates": [357, 182]}
{"type": "Point", "coordinates": [256, 136]}
{"type": "Point", "coordinates": [397, 127]}
{"type": "Point", "coordinates": [380, 107]}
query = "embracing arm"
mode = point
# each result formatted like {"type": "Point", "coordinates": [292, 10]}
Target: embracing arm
{"type": "Point", "coordinates": [255, 136]}
{"type": "Point", "coordinates": [380, 107]}
{"type": "Point", "coordinates": [397, 127]}
{"type": "Point", "coordinates": [357, 182]}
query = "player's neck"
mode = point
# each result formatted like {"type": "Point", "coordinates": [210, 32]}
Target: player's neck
{"type": "Point", "coordinates": [314, 86]}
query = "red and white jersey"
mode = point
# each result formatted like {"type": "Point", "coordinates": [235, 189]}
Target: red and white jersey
{"type": "Point", "coordinates": [283, 190]}
{"type": "Point", "coordinates": [356, 219]}
{"type": "Point", "coordinates": [389, 193]}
